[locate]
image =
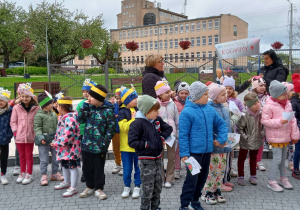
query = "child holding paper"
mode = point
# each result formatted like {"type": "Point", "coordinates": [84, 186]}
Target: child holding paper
{"type": "Point", "coordinates": [197, 124]}
{"type": "Point", "coordinates": [279, 132]}
{"type": "Point", "coordinates": [252, 135]}
{"type": "Point", "coordinates": [168, 112]}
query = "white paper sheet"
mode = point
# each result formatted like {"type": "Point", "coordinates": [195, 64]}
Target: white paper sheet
{"type": "Point", "coordinates": [233, 140]}
{"type": "Point", "coordinates": [234, 109]}
{"type": "Point", "coordinates": [170, 140]}
{"type": "Point", "coordinates": [193, 165]}
{"type": "Point", "coordinates": [287, 115]}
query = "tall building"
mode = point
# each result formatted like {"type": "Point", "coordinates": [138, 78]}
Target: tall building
{"type": "Point", "coordinates": [159, 31]}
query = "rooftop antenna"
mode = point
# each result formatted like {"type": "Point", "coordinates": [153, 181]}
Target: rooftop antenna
{"type": "Point", "coordinates": [183, 11]}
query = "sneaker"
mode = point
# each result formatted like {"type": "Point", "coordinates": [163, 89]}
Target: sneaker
{"type": "Point", "coordinates": [284, 181]}
{"type": "Point", "coordinates": [16, 171]}
{"type": "Point", "coordinates": [210, 198]}
{"type": "Point", "coordinates": [177, 174]}
{"type": "Point", "coordinates": [100, 194]}
{"type": "Point", "coordinates": [291, 166]}
{"type": "Point", "coordinates": [82, 179]}
{"type": "Point", "coordinates": [87, 192]}
{"type": "Point", "coordinates": [126, 192]}
{"type": "Point", "coordinates": [20, 178]}
{"type": "Point", "coordinates": [253, 180]}
{"type": "Point", "coordinates": [44, 180]}
{"type": "Point", "coordinates": [61, 186]}
{"type": "Point", "coordinates": [241, 181]}
{"type": "Point", "coordinates": [195, 205]}
{"type": "Point", "coordinates": [229, 184]}
{"type": "Point", "coordinates": [233, 173]}
{"type": "Point", "coordinates": [219, 197]}
{"type": "Point", "coordinates": [168, 185]}
{"type": "Point", "coordinates": [260, 166]}
{"type": "Point", "coordinates": [136, 192]}
{"type": "Point", "coordinates": [296, 174]}
{"type": "Point", "coordinates": [70, 192]}
{"type": "Point", "coordinates": [56, 177]}
{"type": "Point", "coordinates": [4, 180]}
{"type": "Point", "coordinates": [225, 188]}
{"type": "Point", "coordinates": [121, 172]}
{"type": "Point", "coordinates": [203, 196]}
{"type": "Point", "coordinates": [266, 147]}
{"type": "Point", "coordinates": [273, 185]}
{"type": "Point", "coordinates": [28, 179]}
{"type": "Point", "coordinates": [117, 169]}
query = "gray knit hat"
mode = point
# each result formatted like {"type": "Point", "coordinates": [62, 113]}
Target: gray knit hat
{"type": "Point", "coordinates": [183, 86]}
{"type": "Point", "coordinates": [276, 89]}
{"type": "Point", "coordinates": [145, 103]}
{"type": "Point", "coordinates": [197, 90]}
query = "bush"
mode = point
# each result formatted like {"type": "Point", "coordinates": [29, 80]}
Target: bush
{"type": "Point", "coordinates": [32, 70]}
{"type": "Point", "coordinates": [94, 70]}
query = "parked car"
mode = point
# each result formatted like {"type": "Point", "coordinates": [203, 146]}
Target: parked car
{"type": "Point", "coordinates": [208, 70]}
{"type": "Point", "coordinates": [238, 68]}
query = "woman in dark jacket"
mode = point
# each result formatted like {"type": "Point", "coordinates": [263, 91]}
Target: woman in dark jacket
{"type": "Point", "coordinates": [154, 71]}
{"type": "Point", "coordinates": [273, 69]}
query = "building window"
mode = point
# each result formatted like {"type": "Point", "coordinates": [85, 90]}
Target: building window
{"type": "Point", "coordinates": [146, 46]}
{"type": "Point", "coordinates": [146, 31]}
{"type": "Point", "coordinates": [124, 59]}
{"type": "Point", "coordinates": [198, 41]}
{"type": "Point", "coordinates": [155, 45]}
{"type": "Point", "coordinates": [132, 24]}
{"type": "Point", "coordinates": [186, 56]}
{"type": "Point", "coordinates": [160, 31]}
{"type": "Point", "coordinates": [128, 34]}
{"type": "Point", "coordinates": [151, 45]}
{"type": "Point", "coordinates": [171, 43]}
{"type": "Point", "coordinates": [137, 33]}
{"type": "Point", "coordinates": [166, 44]}
{"type": "Point", "coordinates": [187, 39]}
{"type": "Point", "coordinates": [203, 40]}
{"type": "Point", "coordinates": [171, 57]}
{"type": "Point", "coordinates": [137, 59]}
{"type": "Point", "coordinates": [216, 39]}
{"type": "Point", "coordinates": [181, 39]}
{"type": "Point", "coordinates": [165, 29]}
{"type": "Point", "coordinates": [209, 40]}
{"type": "Point", "coordinates": [125, 49]}
{"type": "Point", "coordinates": [217, 24]}
{"type": "Point", "coordinates": [192, 42]}
{"type": "Point", "coordinates": [235, 30]}
{"type": "Point", "coordinates": [203, 25]}
{"type": "Point", "coordinates": [142, 32]}
{"type": "Point", "coordinates": [176, 57]}
{"type": "Point", "coordinates": [142, 46]}
{"type": "Point", "coordinates": [160, 44]}
{"type": "Point", "coordinates": [192, 56]}
{"type": "Point", "coordinates": [124, 34]}
{"type": "Point", "coordinates": [132, 34]}
{"type": "Point", "coordinates": [187, 27]}
{"type": "Point", "coordinates": [171, 29]}
{"type": "Point", "coordinates": [175, 17]}
{"type": "Point", "coordinates": [121, 48]}
{"type": "Point", "coordinates": [181, 57]}
{"type": "Point", "coordinates": [142, 59]}
{"type": "Point", "coordinates": [209, 24]}
{"type": "Point", "coordinates": [198, 26]}
{"type": "Point", "coordinates": [209, 54]}
{"type": "Point", "coordinates": [120, 35]}
{"type": "Point", "coordinates": [150, 31]}
{"type": "Point", "coordinates": [128, 59]}
{"type": "Point", "coordinates": [198, 56]}
{"type": "Point", "coordinates": [155, 31]}
{"type": "Point", "coordinates": [204, 56]}
{"type": "Point", "coordinates": [192, 27]}
{"type": "Point", "coordinates": [176, 29]}
{"type": "Point", "coordinates": [181, 28]}
{"type": "Point", "coordinates": [175, 43]}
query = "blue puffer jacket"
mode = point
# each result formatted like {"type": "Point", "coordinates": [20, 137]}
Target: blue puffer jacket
{"type": "Point", "coordinates": [5, 129]}
{"type": "Point", "coordinates": [196, 123]}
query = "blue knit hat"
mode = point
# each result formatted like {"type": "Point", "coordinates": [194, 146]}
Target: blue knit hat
{"type": "Point", "coordinates": [127, 95]}
{"type": "Point", "coordinates": [229, 81]}
{"type": "Point", "coordinates": [88, 84]}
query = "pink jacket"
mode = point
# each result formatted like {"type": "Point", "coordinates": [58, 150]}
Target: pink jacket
{"type": "Point", "coordinates": [23, 122]}
{"type": "Point", "coordinates": [275, 131]}
{"type": "Point", "coordinates": [179, 105]}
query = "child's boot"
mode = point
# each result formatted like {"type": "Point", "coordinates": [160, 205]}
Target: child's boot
{"type": "Point", "coordinates": [56, 177]}
{"type": "Point", "coordinates": [219, 197]}
{"type": "Point", "coordinates": [177, 174]}
{"type": "Point", "coordinates": [284, 181]}
{"type": "Point", "coordinates": [241, 181]}
{"type": "Point", "coordinates": [44, 180]}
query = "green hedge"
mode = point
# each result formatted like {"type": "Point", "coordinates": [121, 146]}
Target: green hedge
{"type": "Point", "coordinates": [96, 70]}
{"type": "Point", "coordinates": [32, 70]}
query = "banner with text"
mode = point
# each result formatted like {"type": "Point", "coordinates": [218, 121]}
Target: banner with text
{"type": "Point", "coordinates": [238, 48]}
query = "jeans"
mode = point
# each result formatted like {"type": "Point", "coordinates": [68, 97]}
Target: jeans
{"type": "Point", "coordinates": [129, 159]}
{"type": "Point", "coordinates": [297, 156]}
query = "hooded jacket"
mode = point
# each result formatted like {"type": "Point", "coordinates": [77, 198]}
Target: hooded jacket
{"type": "Point", "coordinates": [100, 127]}
{"type": "Point", "coordinates": [196, 128]}
{"type": "Point", "coordinates": [145, 136]}
{"type": "Point", "coordinates": [179, 105]}
{"type": "Point", "coordinates": [5, 129]}
{"type": "Point", "coordinates": [82, 125]}
{"type": "Point", "coordinates": [66, 140]}
{"type": "Point", "coordinates": [238, 103]}
{"type": "Point", "coordinates": [271, 118]}
{"type": "Point", "coordinates": [295, 101]}
{"type": "Point", "coordinates": [150, 76]}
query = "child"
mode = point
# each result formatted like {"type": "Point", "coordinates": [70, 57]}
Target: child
{"type": "Point", "coordinates": [229, 83]}
{"type": "Point", "coordinates": [295, 100]}
{"type": "Point", "coordinates": [252, 135]}
{"type": "Point", "coordinates": [168, 112]}
{"type": "Point", "coordinates": [196, 123]}
{"type": "Point", "coordinates": [23, 129]}
{"type": "Point", "coordinates": [183, 91]}
{"type": "Point", "coordinates": [67, 146]}
{"type": "Point", "coordinates": [259, 87]}
{"type": "Point", "coordinates": [146, 136]}
{"type": "Point", "coordinates": [279, 133]}
{"type": "Point", "coordinates": [212, 189]}
{"type": "Point", "coordinates": [87, 85]}
{"type": "Point", "coordinates": [116, 100]}
{"type": "Point", "coordinates": [5, 131]}
{"type": "Point", "coordinates": [45, 124]}
{"type": "Point", "coordinates": [55, 104]}
{"type": "Point", "coordinates": [129, 158]}
{"type": "Point", "coordinates": [100, 126]}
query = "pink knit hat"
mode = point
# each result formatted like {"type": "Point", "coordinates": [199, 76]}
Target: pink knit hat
{"type": "Point", "coordinates": [161, 87]}
{"type": "Point", "coordinates": [289, 86]}
{"type": "Point", "coordinates": [26, 89]}
{"type": "Point", "coordinates": [257, 81]}
{"type": "Point", "coordinates": [214, 90]}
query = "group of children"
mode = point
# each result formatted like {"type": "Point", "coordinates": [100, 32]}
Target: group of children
{"type": "Point", "coordinates": [192, 121]}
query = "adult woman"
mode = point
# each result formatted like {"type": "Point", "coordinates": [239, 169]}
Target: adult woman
{"type": "Point", "coordinates": [273, 69]}
{"type": "Point", "coordinates": [154, 71]}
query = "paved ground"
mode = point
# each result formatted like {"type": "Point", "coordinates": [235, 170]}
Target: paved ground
{"type": "Point", "coordinates": [34, 196]}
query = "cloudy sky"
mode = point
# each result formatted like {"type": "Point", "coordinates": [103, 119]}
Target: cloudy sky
{"type": "Point", "coordinates": [268, 20]}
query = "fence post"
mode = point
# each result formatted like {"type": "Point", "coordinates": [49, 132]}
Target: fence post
{"type": "Point", "coordinates": [106, 76]}
{"type": "Point", "coordinates": [49, 74]}
{"type": "Point", "coordinates": [215, 68]}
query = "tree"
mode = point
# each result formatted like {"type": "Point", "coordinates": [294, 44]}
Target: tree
{"type": "Point", "coordinates": [276, 45]}
{"type": "Point", "coordinates": [12, 20]}
{"type": "Point", "coordinates": [296, 33]}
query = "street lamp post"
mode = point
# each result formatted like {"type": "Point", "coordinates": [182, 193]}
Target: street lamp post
{"type": "Point", "coordinates": [291, 36]}
{"type": "Point", "coordinates": [48, 69]}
